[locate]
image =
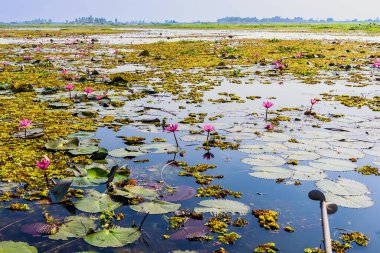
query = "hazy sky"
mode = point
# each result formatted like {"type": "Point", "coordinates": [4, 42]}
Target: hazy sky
{"type": "Point", "coordinates": [186, 10]}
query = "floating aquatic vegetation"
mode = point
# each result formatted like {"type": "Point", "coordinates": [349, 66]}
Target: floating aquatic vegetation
{"type": "Point", "coordinates": [229, 238]}
{"type": "Point", "coordinates": [266, 248]}
{"type": "Point", "coordinates": [368, 170]}
{"type": "Point", "coordinates": [267, 219]}
{"type": "Point", "coordinates": [216, 191]}
{"type": "Point", "coordinates": [359, 238]}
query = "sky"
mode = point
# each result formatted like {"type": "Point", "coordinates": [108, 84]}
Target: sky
{"type": "Point", "coordinates": [186, 10]}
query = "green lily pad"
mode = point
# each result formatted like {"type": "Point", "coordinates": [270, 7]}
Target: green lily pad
{"type": "Point", "coordinates": [307, 173]}
{"type": "Point", "coordinates": [300, 155]}
{"type": "Point", "coordinates": [216, 206]}
{"type": "Point", "coordinates": [74, 227]}
{"type": "Point", "coordinates": [114, 237]}
{"type": "Point", "coordinates": [333, 165]}
{"type": "Point", "coordinates": [96, 202]}
{"type": "Point", "coordinates": [136, 191]}
{"type": "Point", "coordinates": [361, 201]}
{"type": "Point", "coordinates": [125, 152]}
{"type": "Point", "coordinates": [31, 133]}
{"type": "Point", "coordinates": [342, 187]}
{"type": "Point", "coordinates": [264, 160]}
{"type": "Point", "coordinates": [271, 172]}
{"type": "Point", "coordinates": [16, 247]}
{"type": "Point", "coordinates": [158, 148]}
{"type": "Point", "coordinates": [156, 207]}
{"type": "Point", "coordinates": [84, 150]}
{"type": "Point", "coordinates": [82, 135]}
{"type": "Point", "coordinates": [61, 144]}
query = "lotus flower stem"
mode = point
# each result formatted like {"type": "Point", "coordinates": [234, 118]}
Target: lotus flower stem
{"type": "Point", "coordinates": [24, 134]}
{"type": "Point", "coordinates": [47, 179]}
{"type": "Point", "coordinates": [208, 135]}
{"type": "Point", "coordinates": [142, 222]}
{"type": "Point", "coordinates": [175, 137]}
{"type": "Point", "coordinates": [266, 114]}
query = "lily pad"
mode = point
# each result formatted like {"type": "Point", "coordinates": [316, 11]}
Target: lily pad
{"type": "Point", "coordinates": [96, 202]}
{"type": "Point", "coordinates": [136, 191]}
{"type": "Point", "coordinates": [84, 150]}
{"type": "Point", "coordinates": [342, 187]}
{"type": "Point", "coordinates": [156, 207]}
{"type": "Point", "coordinates": [271, 172]}
{"type": "Point", "coordinates": [31, 133]}
{"type": "Point", "coordinates": [375, 151]}
{"type": "Point", "coordinates": [158, 148]}
{"type": "Point", "coordinates": [264, 160]}
{"type": "Point", "coordinates": [125, 152]}
{"type": "Point", "coordinates": [74, 227]}
{"type": "Point", "coordinates": [114, 237]}
{"type": "Point", "coordinates": [361, 201]}
{"type": "Point", "coordinates": [16, 247]}
{"type": "Point", "coordinates": [333, 165]}
{"type": "Point", "coordinates": [300, 155]}
{"type": "Point", "coordinates": [193, 138]}
{"type": "Point", "coordinates": [61, 144]}
{"type": "Point", "coordinates": [216, 206]}
{"type": "Point", "coordinates": [307, 173]}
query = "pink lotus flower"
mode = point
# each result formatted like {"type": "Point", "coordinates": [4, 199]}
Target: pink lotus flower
{"type": "Point", "coordinates": [208, 128]}
{"type": "Point", "coordinates": [65, 71]}
{"type": "Point", "coordinates": [27, 58]}
{"type": "Point", "coordinates": [104, 76]}
{"type": "Point", "coordinates": [172, 129]}
{"type": "Point", "coordinates": [269, 127]}
{"type": "Point", "coordinates": [267, 105]}
{"type": "Point", "coordinates": [279, 66]}
{"type": "Point", "coordinates": [70, 87]}
{"type": "Point", "coordinates": [44, 163]}
{"type": "Point", "coordinates": [5, 63]}
{"type": "Point", "coordinates": [312, 102]}
{"type": "Point", "coordinates": [99, 97]}
{"type": "Point", "coordinates": [88, 91]}
{"type": "Point", "coordinates": [24, 123]}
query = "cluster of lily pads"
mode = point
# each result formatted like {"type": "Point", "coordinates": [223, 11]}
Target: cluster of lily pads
{"type": "Point", "coordinates": [55, 97]}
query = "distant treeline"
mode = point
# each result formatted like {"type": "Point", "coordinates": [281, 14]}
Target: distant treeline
{"type": "Point", "coordinates": [227, 20]}
{"type": "Point", "coordinates": [278, 19]}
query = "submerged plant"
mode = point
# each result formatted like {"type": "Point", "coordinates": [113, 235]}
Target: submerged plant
{"type": "Point", "coordinates": [172, 129]}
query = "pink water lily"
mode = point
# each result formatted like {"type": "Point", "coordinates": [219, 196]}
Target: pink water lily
{"type": "Point", "coordinates": [267, 105]}
{"type": "Point", "coordinates": [65, 71]}
{"type": "Point", "coordinates": [44, 163]}
{"type": "Point", "coordinates": [24, 123]}
{"type": "Point", "coordinates": [313, 102]}
{"type": "Point", "coordinates": [172, 129]}
{"type": "Point", "coordinates": [208, 128]}
{"type": "Point", "coordinates": [88, 91]}
{"type": "Point", "coordinates": [99, 97]}
{"type": "Point", "coordinates": [69, 87]}
{"type": "Point", "coordinates": [269, 127]}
